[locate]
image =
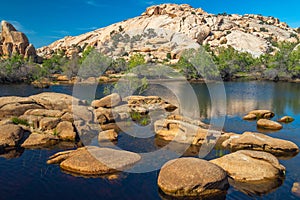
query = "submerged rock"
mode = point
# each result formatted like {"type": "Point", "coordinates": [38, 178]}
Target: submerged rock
{"type": "Point", "coordinates": [92, 160]}
{"type": "Point", "coordinates": [268, 124]}
{"type": "Point", "coordinates": [246, 165]}
{"type": "Point", "coordinates": [261, 142]}
{"type": "Point", "coordinates": [296, 189]}
{"type": "Point", "coordinates": [192, 177]}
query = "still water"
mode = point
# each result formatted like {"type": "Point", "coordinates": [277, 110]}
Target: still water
{"type": "Point", "coordinates": [27, 176]}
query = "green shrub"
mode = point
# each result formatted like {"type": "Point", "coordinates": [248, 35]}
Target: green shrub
{"type": "Point", "coordinates": [135, 60]}
{"type": "Point", "coordinates": [18, 121]}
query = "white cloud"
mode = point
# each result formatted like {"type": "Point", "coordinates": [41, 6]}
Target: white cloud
{"type": "Point", "coordinates": [62, 32]}
{"type": "Point", "coordinates": [20, 27]}
{"type": "Point", "coordinates": [88, 28]}
{"type": "Point", "coordinates": [95, 4]}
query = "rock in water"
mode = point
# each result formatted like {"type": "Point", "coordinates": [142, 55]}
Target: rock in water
{"type": "Point", "coordinates": [296, 189]}
{"type": "Point", "coordinates": [40, 140]}
{"type": "Point", "coordinates": [92, 160]}
{"type": "Point", "coordinates": [286, 119]}
{"type": "Point", "coordinates": [268, 124]}
{"type": "Point", "coordinates": [261, 142]}
{"type": "Point", "coordinates": [192, 177]}
{"type": "Point", "coordinates": [10, 135]}
{"type": "Point", "coordinates": [246, 165]}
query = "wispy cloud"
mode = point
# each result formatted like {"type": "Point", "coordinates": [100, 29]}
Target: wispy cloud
{"type": "Point", "coordinates": [61, 32]}
{"type": "Point", "coordinates": [149, 2]}
{"type": "Point", "coordinates": [20, 27]}
{"type": "Point", "coordinates": [53, 37]}
{"type": "Point", "coordinates": [95, 4]}
{"type": "Point", "coordinates": [87, 28]}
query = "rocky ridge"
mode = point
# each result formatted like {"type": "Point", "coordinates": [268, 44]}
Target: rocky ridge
{"type": "Point", "coordinates": [165, 30]}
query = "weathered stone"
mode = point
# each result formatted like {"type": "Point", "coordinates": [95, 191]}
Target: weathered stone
{"type": "Point", "coordinates": [10, 135]}
{"type": "Point", "coordinates": [181, 131]}
{"type": "Point", "coordinates": [266, 114]}
{"type": "Point", "coordinates": [65, 131]}
{"type": "Point", "coordinates": [261, 142]}
{"type": "Point", "coordinates": [55, 101]}
{"type": "Point", "coordinates": [250, 117]}
{"type": "Point", "coordinates": [109, 101]}
{"type": "Point", "coordinates": [105, 115]}
{"type": "Point", "coordinates": [192, 177]}
{"type": "Point", "coordinates": [40, 140]}
{"type": "Point", "coordinates": [15, 42]}
{"type": "Point", "coordinates": [95, 161]}
{"type": "Point", "coordinates": [286, 119]}
{"type": "Point", "coordinates": [48, 123]}
{"type": "Point", "coordinates": [44, 112]}
{"type": "Point", "coordinates": [268, 124]}
{"type": "Point", "coordinates": [296, 189]}
{"type": "Point", "coordinates": [16, 109]}
{"type": "Point", "coordinates": [109, 135]}
{"type": "Point", "coordinates": [248, 165]}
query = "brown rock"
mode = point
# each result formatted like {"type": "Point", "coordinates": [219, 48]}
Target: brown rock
{"type": "Point", "coordinates": [44, 112]}
{"type": "Point", "coordinates": [296, 189]}
{"type": "Point", "coordinates": [15, 42]}
{"type": "Point", "coordinates": [95, 161]}
{"type": "Point", "coordinates": [249, 117]}
{"type": "Point", "coordinates": [266, 114]}
{"type": "Point", "coordinates": [109, 135]}
{"type": "Point", "coordinates": [40, 140]}
{"type": "Point", "coordinates": [55, 101]}
{"type": "Point", "coordinates": [192, 177]}
{"type": "Point", "coordinates": [261, 142]}
{"type": "Point", "coordinates": [109, 101]}
{"type": "Point", "coordinates": [48, 123]}
{"type": "Point", "coordinates": [105, 115]}
{"type": "Point", "coordinates": [65, 131]}
{"type": "Point", "coordinates": [16, 109]}
{"type": "Point", "coordinates": [286, 119]}
{"type": "Point", "coordinates": [268, 124]}
{"type": "Point", "coordinates": [10, 135]}
{"type": "Point", "coordinates": [248, 165]}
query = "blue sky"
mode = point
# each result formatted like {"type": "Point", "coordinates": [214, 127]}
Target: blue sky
{"type": "Point", "coordinates": [47, 21]}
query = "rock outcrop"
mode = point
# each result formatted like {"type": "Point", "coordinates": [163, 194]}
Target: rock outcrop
{"type": "Point", "coordinates": [250, 166]}
{"type": "Point", "coordinates": [166, 30]}
{"type": "Point", "coordinates": [261, 142]}
{"type": "Point", "coordinates": [15, 42]}
{"type": "Point", "coordinates": [94, 160]}
{"type": "Point", "coordinates": [186, 177]}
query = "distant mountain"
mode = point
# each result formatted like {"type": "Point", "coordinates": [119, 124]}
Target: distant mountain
{"type": "Point", "coordinates": [166, 30]}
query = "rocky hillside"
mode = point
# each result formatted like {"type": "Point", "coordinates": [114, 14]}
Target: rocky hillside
{"type": "Point", "coordinates": [166, 30]}
{"type": "Point", "coordinates": [15, 42]}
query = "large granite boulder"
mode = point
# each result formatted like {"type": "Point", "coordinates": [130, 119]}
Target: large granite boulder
{"type": "Point", "coordinates": [192, 177]}
{"type": "Point", "coordinates": [92, 160]}
{"type": "Point", "coordinates": [10, 135]}
{"type": "Point", "coordinates": [65, 131]}
{"type": "Point", "coordinates": [260, 142]}
{"type": "Point", "coordinates": [259, 114]}
{"type": "Point", "coordinates": [109, 101]}
{"type": "Point", "coordinates": [55, 101]}
{"type": "Point", "coordinates": [40, 140]}
{"type": "Point", "coordinates": [246, 165]}
{"type": "Point", "coordinates": [268, 124]}
{"type": "Point", "coordinates": [15, 42]}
